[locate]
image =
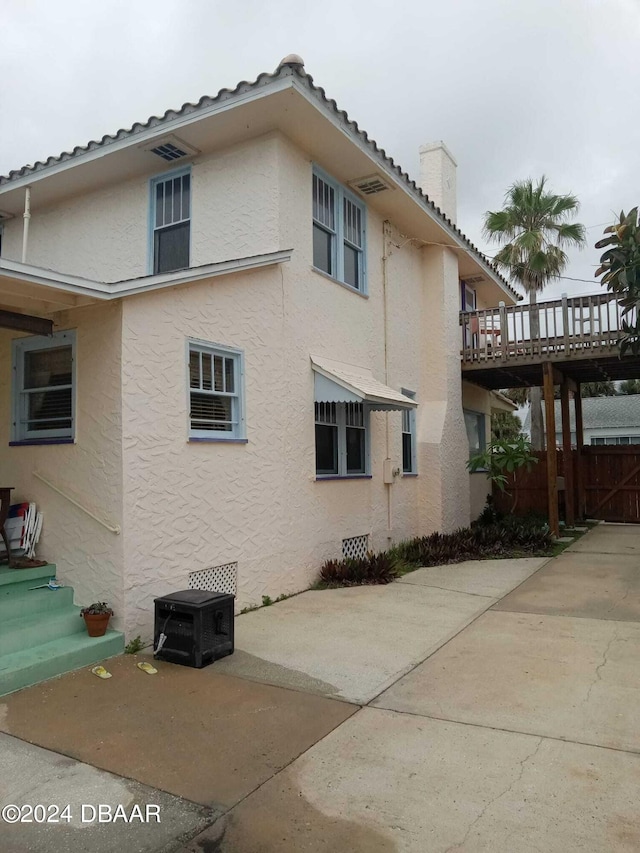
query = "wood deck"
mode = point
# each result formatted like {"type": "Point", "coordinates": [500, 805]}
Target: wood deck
{"type": "Point", "coordinates": [506, 346]}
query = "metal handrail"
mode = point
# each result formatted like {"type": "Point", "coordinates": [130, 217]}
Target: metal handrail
{"type": "Point", "coordinates": [112, 528]}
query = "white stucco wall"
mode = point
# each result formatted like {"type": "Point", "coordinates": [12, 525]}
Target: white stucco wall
{"type": "Point", "coordinates": [88, 556]}
{"type": "Point", "coordinates": [186, 506]}
{"type": "Point", "coordinates": [104, 235]}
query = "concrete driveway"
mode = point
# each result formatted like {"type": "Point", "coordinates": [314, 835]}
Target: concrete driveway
{"type": "Point", "coordinates": [487, 706]}
{"type": "Point", "coordinates": [354, 643]}
{"type": "Point", "coordinates": [519, 734]}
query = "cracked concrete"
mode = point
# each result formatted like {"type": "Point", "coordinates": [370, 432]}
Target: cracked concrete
{"type": "Point", "coordinates": [532, 673]}
{"type": "Point", "coordinates": [513, 732]}
{"type": "Point", "coordinates": [595, 586]}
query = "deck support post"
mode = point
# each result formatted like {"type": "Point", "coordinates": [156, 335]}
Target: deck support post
{"type": "Point", "coordinates": [552, 458]}
{"type": "Point", "coordinates": [567, 455]}
{"type": "Point", "coordinates": [577, 401]}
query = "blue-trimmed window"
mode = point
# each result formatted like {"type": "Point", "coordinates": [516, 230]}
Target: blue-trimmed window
{"type": "Point", "coordinates": [170, 221]}
{"type": "Point", "coordinates": [339, 232]}
{"type": "Point", "coordinates": [44, 380]}
{"type": "Point", "coordinates": [216, 392]}
{"type": "Point", "coordinates": [342, 439]}
{"type": "Point", "coordinates": [475, 423]}
{"type": "Point", "coordinates": [409, 455]}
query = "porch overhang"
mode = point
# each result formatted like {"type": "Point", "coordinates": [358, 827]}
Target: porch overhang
{"type": "Point", "coordinates": [41, 291]}
{"type": "Point", "coordinates": [336, 382]}
{"type": "Point", "coordinates": [500, 403]}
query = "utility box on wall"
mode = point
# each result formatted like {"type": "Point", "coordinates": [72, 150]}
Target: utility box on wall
{"type": "Point", "coordinates": [194, 627]}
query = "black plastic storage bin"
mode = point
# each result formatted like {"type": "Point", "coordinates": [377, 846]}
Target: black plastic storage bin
{"type": "Point", "coordinates": [198, 626]}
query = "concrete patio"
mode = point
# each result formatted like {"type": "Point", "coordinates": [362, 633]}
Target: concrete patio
{"type": "Point", "coordinates": [500, 714]}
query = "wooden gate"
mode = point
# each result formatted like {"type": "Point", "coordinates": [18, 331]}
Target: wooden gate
{"type": "Point", "coordinates": [611, 477]}
{"type": "Point", "coordinates": [607, 485]}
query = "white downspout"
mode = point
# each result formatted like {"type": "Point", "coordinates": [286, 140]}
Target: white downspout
{"type": "Point", "coordinates": [26, 217]}
{"type": "Point", "coordinates": [386, 230]}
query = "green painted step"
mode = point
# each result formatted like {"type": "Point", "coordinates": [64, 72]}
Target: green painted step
{"type": "Point", "coordinates": [30, 666]}
{"type": "Point", "coordinates": [22, 602]}
{"type": "Point", "coordinates": [26, 632]}
{"type": "Point", "coordinates": [13, 576]}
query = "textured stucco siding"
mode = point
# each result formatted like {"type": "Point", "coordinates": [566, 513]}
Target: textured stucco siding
{"type": "Point", "coordinates": [88, 556]}
{"type": "Point", "coordinates": [191, 505]}
{"type": "Point", "coordinates": [186, 506]}
{"type": "Point", "coordinates": [104, 235]}
{"type": "Point", "coordinates": [100, 235]}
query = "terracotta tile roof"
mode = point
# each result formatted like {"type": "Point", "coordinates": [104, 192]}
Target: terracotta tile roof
{"type": "Point", "coordinates": [290, 66]}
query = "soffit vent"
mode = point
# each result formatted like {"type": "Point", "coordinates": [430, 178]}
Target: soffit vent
{"type": "Point", "coordinates": [474, 279]}
{"type": "Point", "coordinates": [171, 148]}
{"type": "Point", "coordinates": [371, 184]}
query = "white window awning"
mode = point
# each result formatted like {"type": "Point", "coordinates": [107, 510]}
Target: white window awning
{"type": "Point", "coordinates": [336, 382]}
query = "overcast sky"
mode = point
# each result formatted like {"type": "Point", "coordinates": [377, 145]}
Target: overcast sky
{"type": "Point", "coordinates": [516, 88]}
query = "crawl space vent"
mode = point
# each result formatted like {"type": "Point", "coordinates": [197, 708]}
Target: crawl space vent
{"type": "Point", "coordinates": [171, 149]}
{"type": "Point", "coordinates": [371, 185]}
{"type": "Point", "coordinates": [356, 546]}
{"type": "Point", "coordinates": [216, 579]}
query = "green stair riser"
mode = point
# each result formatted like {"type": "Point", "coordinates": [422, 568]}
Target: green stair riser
{"type": "Point", "coordinates": [25, 668]}
{"type": "Point", "coordinates": [27, 632]}
{"type": "Point", "coordinates": [9, 577]}
{"type": "Point", "coordinates": [28, 603]}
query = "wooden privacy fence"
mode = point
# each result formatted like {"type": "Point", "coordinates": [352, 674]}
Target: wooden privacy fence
{"type": "Point", "coordinates": [607, 485]}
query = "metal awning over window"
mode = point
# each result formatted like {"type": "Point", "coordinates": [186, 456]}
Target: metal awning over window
{"type": "Point", "coordinates": [336, 382]}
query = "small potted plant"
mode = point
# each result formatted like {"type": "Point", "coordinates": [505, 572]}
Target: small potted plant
{"type": "Point", "coordinates": [96, 617]}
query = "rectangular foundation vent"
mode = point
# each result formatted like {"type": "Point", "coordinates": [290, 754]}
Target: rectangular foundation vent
{"type": "Point", "coordinates": [216, 579]}
{"type": "Point", "coordinates": [356, 546]}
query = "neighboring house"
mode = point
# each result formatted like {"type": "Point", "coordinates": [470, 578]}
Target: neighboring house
{"type": "Point", "coordinates": [255, 358]}
{"type": "Point", "coordinates": [606, 420]}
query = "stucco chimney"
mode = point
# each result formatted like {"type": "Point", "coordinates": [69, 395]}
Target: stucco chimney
{"type": "Point", "coordinates": [438, 177]}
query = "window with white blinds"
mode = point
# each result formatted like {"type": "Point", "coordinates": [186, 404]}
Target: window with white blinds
{"type": "Point", "coordinates": [44, 387]}
{"type": "Point", "coordinates": [338, 232]}
{"type": "Point", "coordinates": [216, 408]}
{"type": "Point", "coordinates": [171, 221]}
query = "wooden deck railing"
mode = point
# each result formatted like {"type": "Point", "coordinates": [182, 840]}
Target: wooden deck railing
{"type": "Point", "coordinates": [583, 326]}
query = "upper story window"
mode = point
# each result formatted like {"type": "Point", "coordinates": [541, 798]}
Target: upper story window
{"type": "Point", "coordinates": [468, 298]}
{"type": "Point", "coordinates": [171, 221]}
{"type": "Point", "coordinates": [339, 226]}
{"type": "Point", "coordinates": [216, 392]}
{"type": "Point", "coordinates": [44, 387]}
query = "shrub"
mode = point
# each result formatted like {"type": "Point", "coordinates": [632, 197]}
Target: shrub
{"type": "Point", "coordinates": [372, 569]}
{"type": "Point", "coordinates": [493, 538]}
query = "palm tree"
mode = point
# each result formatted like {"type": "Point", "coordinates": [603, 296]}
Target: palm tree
{"type": "Point", "coordinates": [533, 228]}
{"type": "Point", "coordinates": [604, 388]}
{"type": "Point", "coordinates": [630, 386]}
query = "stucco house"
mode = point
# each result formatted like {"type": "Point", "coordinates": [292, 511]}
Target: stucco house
{"type": "Point", "coordinates": [254, 358]}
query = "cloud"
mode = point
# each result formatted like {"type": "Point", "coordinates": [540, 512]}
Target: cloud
{"type": "Point", "coordinates": [514, 89]}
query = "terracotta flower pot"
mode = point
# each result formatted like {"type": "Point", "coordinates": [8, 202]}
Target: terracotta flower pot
{"type": "Point", "coordinates": [96, 623]}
